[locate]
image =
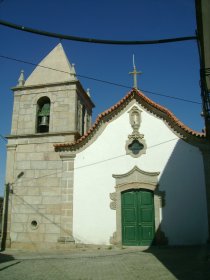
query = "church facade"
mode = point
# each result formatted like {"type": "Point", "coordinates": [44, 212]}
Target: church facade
{"type": "Point", "coordinates": [135, 177]}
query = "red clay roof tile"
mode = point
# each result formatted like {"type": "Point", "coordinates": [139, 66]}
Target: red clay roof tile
{"type": "Point", "coordinates": [149, 105]}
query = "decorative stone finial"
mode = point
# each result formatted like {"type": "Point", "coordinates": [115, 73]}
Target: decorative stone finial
{"type": "Point", "coordinates": [88, 92]}
{"type": "Point", "coordinates": [73, 69]}
{"type": "Point", "coordinates": [21, 80]}
{"type": "Point", "coordinates": [135, 145]}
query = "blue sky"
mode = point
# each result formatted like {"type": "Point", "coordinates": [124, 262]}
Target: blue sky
{"type": "Point", "coordinates": [170, 69]}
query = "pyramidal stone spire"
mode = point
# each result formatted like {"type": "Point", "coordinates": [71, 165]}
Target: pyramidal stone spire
{"type": "Point", "coordinates": [54, 68]}
{"type": "Point", "coordinates": [21, 80]}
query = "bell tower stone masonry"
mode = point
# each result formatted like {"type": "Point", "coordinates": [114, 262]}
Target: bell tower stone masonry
{"type": "Point", "coordinates": [50, 107]}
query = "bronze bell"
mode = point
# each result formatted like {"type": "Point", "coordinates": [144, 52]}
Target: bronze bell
{"type": "Point", "coordinates": [44, 121]}
{"type": "Point", "coordinates": [44, 118]}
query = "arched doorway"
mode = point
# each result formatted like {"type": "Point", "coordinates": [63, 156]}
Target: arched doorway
{"type": "Point", "coordinates": [137, 195]}
{"type": "Point", "coordinates": [138, 219]}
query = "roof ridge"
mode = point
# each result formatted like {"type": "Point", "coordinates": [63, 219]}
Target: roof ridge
{"type": "Point", "coordinates": [170, 114]}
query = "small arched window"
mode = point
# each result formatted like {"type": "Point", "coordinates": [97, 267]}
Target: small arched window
{"type": "Point", "coordinates": [43, 115]}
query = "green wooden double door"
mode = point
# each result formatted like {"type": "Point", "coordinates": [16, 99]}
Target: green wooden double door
{"type": "Point", "coordinates": [138, 226]}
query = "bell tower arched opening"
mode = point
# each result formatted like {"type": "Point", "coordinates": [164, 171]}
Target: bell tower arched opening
{"type": "Point", "coordinates": [43, 115]}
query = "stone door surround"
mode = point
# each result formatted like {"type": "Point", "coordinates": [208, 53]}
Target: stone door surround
{"type": "Point", "coordinates": [135, 179]}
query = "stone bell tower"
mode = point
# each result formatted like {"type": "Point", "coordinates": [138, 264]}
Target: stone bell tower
{"type": "Point", "coordinates": [50, 107]}
{"type": "Point", "coordinates": [52, 100]}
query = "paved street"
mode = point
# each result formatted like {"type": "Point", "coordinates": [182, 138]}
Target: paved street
{"type": "Point", "coordinates": [88, 264]}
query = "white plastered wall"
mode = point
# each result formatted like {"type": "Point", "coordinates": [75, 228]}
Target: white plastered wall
{"type": "Point", "coordinates": [184, 219]}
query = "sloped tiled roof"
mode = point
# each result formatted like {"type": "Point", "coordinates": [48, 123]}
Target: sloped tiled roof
{"type": "Point", "coordinates": [151, 106]}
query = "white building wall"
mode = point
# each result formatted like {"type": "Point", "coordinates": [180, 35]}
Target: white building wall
{"type": "Point", "coordinates": [184, 218]}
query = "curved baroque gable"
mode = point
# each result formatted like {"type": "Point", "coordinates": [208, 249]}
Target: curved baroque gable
{"type": "Point", "coordinates": [159, 111]}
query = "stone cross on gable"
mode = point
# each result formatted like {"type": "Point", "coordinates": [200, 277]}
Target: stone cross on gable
{"type": "Point", "coordinates": [134, 73]}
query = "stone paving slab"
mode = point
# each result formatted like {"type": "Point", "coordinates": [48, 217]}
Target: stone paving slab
{"type": "Point", "coordinates": [86, 264]}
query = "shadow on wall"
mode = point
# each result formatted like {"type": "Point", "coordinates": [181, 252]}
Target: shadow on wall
{"type": "Point", "coordinates": [1, 213]}
{"type": "Point", "coordinates": [3, 256]}
{"type": "Point", "coordinates": [179, 202]}
{"type": "Point", "coordinates": [184, 215]}
{"type": "Point", "coordinates": [4, 218]}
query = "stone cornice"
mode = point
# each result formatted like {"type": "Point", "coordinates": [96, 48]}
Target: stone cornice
{"type": "Point", "coordinates": [17, 88]}
{"type": "Point", "coordinates": [135, 169]}
{"type": "Point", "coordinates": [48, 134]}
{"type": "Point", "coordinates": [11, 147]}
{"type": "Point", "coordinates": [84, 94]}
{"type": "Point", "coordinates": [65, 156]}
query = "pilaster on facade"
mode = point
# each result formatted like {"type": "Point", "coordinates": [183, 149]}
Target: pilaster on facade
{"type": "Point", "coordinates": [7, 210]}
{"type": "Point", "coordinates": [67, 181]}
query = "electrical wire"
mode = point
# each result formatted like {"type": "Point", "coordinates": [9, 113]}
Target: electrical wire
{"type": "Point", "coordinates": [92, 40]}
{"type": "Point", "coordinates": [100, 80]}
{"type": "Point", "coordinates": [96, 162]}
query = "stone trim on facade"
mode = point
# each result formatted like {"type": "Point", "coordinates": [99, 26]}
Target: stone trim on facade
{"type": "Point", "coordinates": [45, 134]}
{"type": "Point", "coordinates": [7, 215]}
{"type": "Point", "coordinates": [67, 182]}
{"type": "Point", "coordinates": [135, 137]}
{"type": "Point", "coordinates": [181, 130]}
{"type": "Point", "coordinates": [137, 179]}
{"type": "Point", "coordinates": [24, 87]}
